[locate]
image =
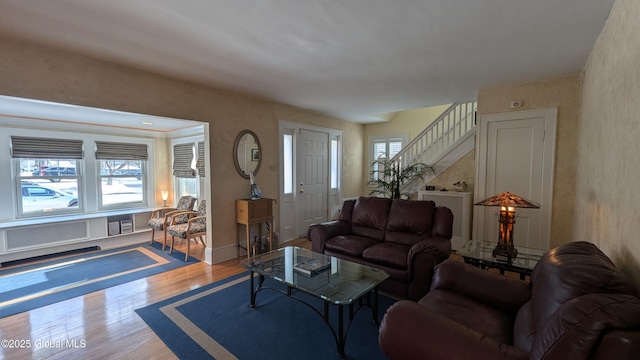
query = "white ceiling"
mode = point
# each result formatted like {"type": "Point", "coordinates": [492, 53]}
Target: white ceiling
{"type": "Point", "coordinates": [355, 59]}
{"type": "Point", "coordinates": [48, 115]}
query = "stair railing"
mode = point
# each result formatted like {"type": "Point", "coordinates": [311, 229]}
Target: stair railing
{"type": "Point", "coordinates": [442, 134]}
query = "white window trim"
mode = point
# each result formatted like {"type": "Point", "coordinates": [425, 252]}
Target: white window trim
{"type": "Point", "coordinates": [17, 196]}
{"type": "Point", "coordinates": [126, 205]}
{"type": "Point", "coordinates": [371, 140]}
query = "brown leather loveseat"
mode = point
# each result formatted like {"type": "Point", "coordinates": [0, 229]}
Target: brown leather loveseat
{"type": "Point", "coordinates": [403, 237]}
{"type": "Point", "coordinates": [577, 306]}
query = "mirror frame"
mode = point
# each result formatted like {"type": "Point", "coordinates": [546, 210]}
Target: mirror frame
{"type": "Point", "coordinates": [235, 152]}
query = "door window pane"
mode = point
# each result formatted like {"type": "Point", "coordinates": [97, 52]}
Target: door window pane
{"type": "Point", "coordinates": [288, 163]}
{"type": "Point", "coordinates": [334, 164]}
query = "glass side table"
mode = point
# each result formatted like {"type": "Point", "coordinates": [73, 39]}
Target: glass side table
{"type": "Point", "coordinates": [479, 253]}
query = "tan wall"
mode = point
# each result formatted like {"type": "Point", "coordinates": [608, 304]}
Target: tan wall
{"type": "Point", "coordinates": [410, 122]}
{"type": "Point", "coordinates": [462, 170]}
{"type": "Point", "coordinates": [32, 71]}
{"type": "Point", "coordinates": [608, 167]}
{"type": "Point", "coordinates": [562, 93]}
{"type": "Point", "coordinates": [162, 168]}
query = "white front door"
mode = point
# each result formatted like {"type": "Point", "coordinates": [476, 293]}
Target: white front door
{"type": "Point", "coordinates": [516, 153]}
{"type": "Point", "coordinates": [312, 178]}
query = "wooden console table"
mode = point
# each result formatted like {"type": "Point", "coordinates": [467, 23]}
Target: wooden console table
{"type": "Point", "coordinates": [249, 212]}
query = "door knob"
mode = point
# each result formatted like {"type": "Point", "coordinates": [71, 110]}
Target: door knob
{"type": "Point", "coordinates": [301, 190]}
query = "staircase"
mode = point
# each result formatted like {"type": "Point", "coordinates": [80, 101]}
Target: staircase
{"type": "Point", "coordinates": [441, 144]}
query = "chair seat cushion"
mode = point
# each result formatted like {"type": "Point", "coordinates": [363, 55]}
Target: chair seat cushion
{"type": "Point", "coordinates": [472, 314]}
{"type": "Point", "coordinates": [352, 245]}
{"type": "Point", "coordinates": [157, 223]}
{"type": "Point", "coordinates": [390, 254]}
{"type": "Point", "coordinates": [180, 230]}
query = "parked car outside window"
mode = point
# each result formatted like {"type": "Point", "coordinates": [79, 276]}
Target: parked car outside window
{"type": "Point", "coordinates": [56, 171]}
{"type": "Point", "coordinates": [36, 197]}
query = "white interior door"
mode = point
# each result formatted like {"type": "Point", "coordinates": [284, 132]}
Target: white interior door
{"type": "Point", "coordinates": [516, 153]}
{"type": "Point", "coordinates": [312, 178]}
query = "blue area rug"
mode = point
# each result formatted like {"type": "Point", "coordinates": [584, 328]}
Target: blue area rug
{"type": "Point", "coordinates": [216, 322]}
{"type": "Point", "coordinates": [27, 287]}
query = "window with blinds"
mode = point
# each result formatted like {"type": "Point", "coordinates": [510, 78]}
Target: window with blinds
{"type": "Point", "coordinates": [188, 166]}
{"type": "Point", "coordinates": [48, 175]}
{"type": "Point", "coordinates": [122, 177]}
{"type": "Point", "coordinates": [384, 148]}
{"type": "Point", "coordinates": [184, 160]}
{"type": "Point", "coordinates": [200, 164]}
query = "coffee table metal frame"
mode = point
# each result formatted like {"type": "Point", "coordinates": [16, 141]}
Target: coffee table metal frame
{"type": "Point", "coordinates": [344, 284]}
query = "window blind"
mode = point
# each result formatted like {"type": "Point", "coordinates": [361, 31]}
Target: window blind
{"type": "Point", "coordinates": [182, 159]}
{"type": "Point", "coordinates": [45, 148]}
{"type": "Point", "coordinates": [200, 163]}
{"type": "Point", "coordinates": [121, 151]}
{"type": "Point", "coordinates": [394, 147]}
{"type": "Point", "coordinates": [380, 150]}
{"type": "Point", "coordinates": [386, 148]}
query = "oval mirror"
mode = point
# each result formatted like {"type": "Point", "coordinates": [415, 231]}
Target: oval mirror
{"type": "Point", "coordinates": [247, 154]}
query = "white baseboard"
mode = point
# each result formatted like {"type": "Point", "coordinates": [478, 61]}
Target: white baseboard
{"type": "Point", "coordinates": [221, 254]}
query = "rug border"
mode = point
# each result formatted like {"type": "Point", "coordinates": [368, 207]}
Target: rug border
{"type": "Point", "coordinates": [162, 324]}
{"type": "Point", "coordinates": [167, 322]}
{"type": "Point", "coordinates": [171, 261]}
{"type": "Point", "coordinates": [206, 342]}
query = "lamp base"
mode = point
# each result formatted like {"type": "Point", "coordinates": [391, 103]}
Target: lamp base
{"type": "Point", "coordinates": [505, 251]}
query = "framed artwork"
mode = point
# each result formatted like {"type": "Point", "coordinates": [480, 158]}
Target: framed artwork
{"type": "Point", "coordinates": [255, 154]}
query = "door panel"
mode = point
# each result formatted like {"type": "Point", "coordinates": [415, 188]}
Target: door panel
{"type": "Point", "coordinates": [312, 178]}
{"type": "Point", "coordinates": [515, 154]}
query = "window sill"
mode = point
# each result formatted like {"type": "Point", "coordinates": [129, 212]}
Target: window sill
{"type": "Point", "coordinates": [71, 217]}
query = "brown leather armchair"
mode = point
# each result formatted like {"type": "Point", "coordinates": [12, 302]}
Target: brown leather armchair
{"type": "Point", "coordinates": [577, 306]}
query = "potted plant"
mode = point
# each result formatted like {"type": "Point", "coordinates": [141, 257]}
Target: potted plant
{"type": "Point", "coordinates": [388, 177]}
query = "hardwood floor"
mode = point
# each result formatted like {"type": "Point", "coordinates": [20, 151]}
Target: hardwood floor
{"type": "Point", "coordinates": [103, 324]}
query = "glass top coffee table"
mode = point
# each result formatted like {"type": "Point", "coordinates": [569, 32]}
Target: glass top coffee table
{"type": "Point", "coordinates": [331, 279]}
{"type": "Point", "coordinates": [479, 253]}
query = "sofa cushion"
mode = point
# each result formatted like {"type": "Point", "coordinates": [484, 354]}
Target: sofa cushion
{"type": "Point", "coordinates": [470, 313]}
{"type": "Point", "coordinates": [346, 211]}
{"type": "Point", "coordinates": [351, 245]}
{"type": "Point", "coordinates": [369, 217]}
{"type": "Point", "coordinates": [409, 221]}
{"type": "Point", "coordinates": [389, 254]}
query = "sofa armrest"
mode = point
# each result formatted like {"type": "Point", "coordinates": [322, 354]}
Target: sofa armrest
{"type": "Point", "coordinates": [438, 246]}
{"type": "Point", "coordinates": [573, 330]}
{"type": "Point", "coordinates": [491, 289]}
{"type": "Point", "coordinates": [410, 331]}
{"type": "Point", "coordinates": [443, 222]}
{"type": "Point", "coordinates": [318, 234]}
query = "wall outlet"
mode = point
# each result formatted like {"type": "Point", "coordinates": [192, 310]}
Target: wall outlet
{"type": "Point", "coordinates": [516, 104]}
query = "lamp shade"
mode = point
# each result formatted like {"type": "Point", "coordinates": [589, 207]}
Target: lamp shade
{"type": "Point", "coordinates": [507, 218]}
{"type": "Point", "coordinates": [508, 199]}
